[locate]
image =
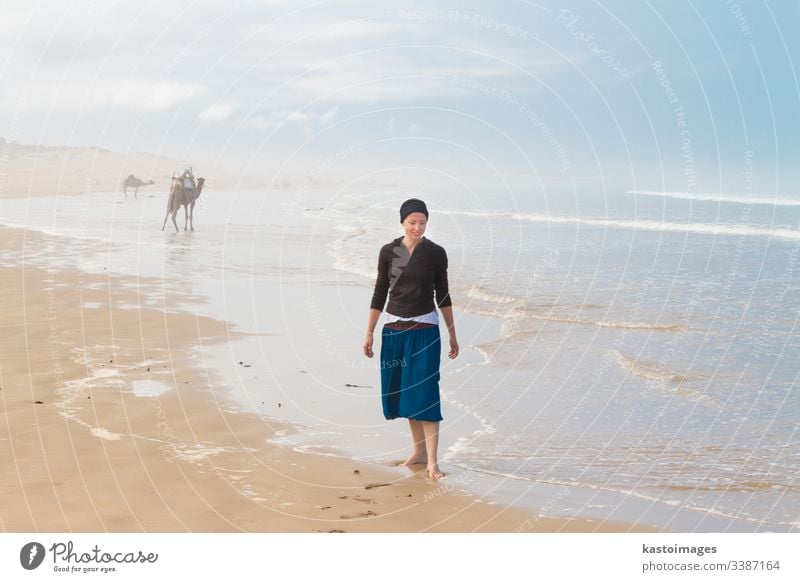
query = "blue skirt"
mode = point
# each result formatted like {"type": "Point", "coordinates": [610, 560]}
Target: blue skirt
{"type": "Point", "coordinates": [410, 373]}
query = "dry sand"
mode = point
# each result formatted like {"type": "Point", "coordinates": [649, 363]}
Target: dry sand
{"type": "Point", "coordinates": [81, 452]}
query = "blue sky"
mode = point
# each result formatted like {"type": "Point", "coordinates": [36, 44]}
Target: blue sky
{"type": "Point", "coordinates": [680, 96]}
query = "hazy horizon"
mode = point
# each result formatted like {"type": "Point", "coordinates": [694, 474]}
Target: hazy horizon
{"type": "Point", "coordinates": [659, 96]}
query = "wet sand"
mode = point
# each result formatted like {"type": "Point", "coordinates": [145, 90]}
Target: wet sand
{"type": "Point", "coordinates": [110, 421]}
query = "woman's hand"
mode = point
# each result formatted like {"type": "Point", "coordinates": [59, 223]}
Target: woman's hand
{"type": "Point", "coordinates": [453, 347]}
{"type": "Point", "coordinates": [368, 346]}
{"type": "Point", "coordinates": [447, 313]}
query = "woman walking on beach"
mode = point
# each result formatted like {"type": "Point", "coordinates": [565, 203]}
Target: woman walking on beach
{"type": "Point", "coordinates": [412, 272]}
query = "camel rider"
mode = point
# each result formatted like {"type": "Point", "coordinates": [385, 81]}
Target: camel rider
{"type": "Point", "coordinates": [187, 180]}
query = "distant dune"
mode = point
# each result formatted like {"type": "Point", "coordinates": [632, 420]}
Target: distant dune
{"type": "Point", "coordinates": [27, 170]}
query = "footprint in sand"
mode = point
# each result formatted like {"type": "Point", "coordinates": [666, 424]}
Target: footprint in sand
{"type": "Point", "coordinates": [369, 513]}
{"type": "Point", "coordinates": [363, 500]}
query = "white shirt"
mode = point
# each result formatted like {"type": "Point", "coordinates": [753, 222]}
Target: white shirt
{"type": "Point", "coordinates": [432, 317]}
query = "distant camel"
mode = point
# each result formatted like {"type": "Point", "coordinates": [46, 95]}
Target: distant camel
{"type": "Point", "coordinates": [133, 182]}
{"type": "Point", "coordinates": [181, 196]}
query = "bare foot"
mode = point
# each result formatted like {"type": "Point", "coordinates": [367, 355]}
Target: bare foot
{"type": "Point", "coordinates": [434, 472]}
{"type": "Point", "coordinates": [416, 460]}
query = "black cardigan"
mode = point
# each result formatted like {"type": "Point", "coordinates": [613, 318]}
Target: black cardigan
{"type": "Point", "coordinates": [411, 280]}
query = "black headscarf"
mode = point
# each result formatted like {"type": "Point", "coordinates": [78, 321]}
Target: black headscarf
{"type": "Point", "coordinates": [412, 205]}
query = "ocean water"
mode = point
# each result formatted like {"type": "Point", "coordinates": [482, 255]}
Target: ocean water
{"type": "Point", "coordinates": [635, 345]}
{"type": "Point", "coordinates": [649, 343]}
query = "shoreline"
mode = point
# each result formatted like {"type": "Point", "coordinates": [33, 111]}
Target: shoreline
{"type": "Point", "coordinates": [111, 425]}
{"type": "Point", "coordinates": [317, 374]}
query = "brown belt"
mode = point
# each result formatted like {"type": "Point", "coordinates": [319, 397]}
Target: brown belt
{"type": "Point", "coordinates": [402, 325]}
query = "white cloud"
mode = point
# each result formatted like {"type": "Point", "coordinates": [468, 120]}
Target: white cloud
{"type": "Point", "coordinates": [276, 119]}
{"type": "Point", "coordinates": [86, 94]}
{"type": "Point", "coordinates": [304, 68]}
{"type": "Point", "coordinates": [353, 52]}
{"type": "Point", "coordinates": [330, 114]}
{"type": "Point", "coordinates": [305, 120]}
{"type": "Point", "coordinates": [158, 95]}
{"type": "Point", "coordinates": [261, 122]}
{"type": "Point", "coordinates": [216, 112]}
{"type": "Point", "coordinates": [298, 117]}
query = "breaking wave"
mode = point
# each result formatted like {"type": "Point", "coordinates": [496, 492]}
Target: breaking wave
{"type": "Point", "coordinates": [661, 226]}
{"type": "Point", "coordinates": [723, 198]}
{"type": "Point", "coordinates": [714, 229]}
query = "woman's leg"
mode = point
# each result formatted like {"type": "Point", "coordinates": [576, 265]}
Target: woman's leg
{"type": "Point", "coordinates": [418, 456]}
{"type": "Point", "coordinates": [431, 430]}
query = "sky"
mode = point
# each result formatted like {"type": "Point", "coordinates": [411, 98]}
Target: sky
{"type": "Point", "coordinates": [685, 96]}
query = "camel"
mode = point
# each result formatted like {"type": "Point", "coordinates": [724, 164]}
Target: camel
{"type": "Point", "coordinates": [179, 196]}
{"type": "Point", "coordinates": [133, 182]}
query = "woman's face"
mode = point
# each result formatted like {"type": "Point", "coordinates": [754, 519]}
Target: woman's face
{"type": "Point", "coordinates": [414, 225]}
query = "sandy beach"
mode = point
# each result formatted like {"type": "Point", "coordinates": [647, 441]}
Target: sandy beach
{"type": "Point", "coordinates": [611, 207]}
{"type": "Point", "coordinates": [110, 422]}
